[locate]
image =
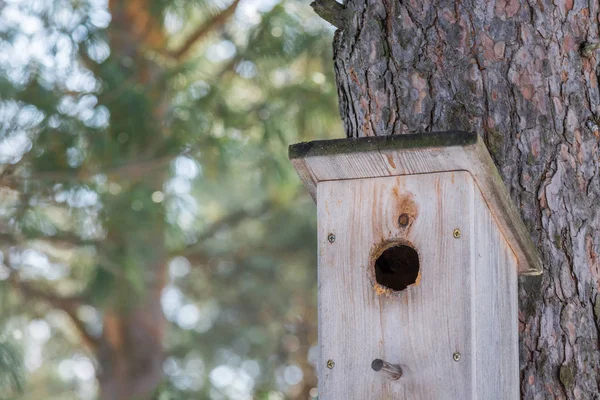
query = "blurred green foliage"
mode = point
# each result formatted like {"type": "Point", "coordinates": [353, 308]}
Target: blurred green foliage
{"type": "Point", "coordinates": [11, 371]}
{"type": "Point", "coordinates": [146, 197]}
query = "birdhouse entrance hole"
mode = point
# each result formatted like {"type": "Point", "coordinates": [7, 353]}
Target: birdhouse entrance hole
{"type": "Point", "coordinates": [397, 267]}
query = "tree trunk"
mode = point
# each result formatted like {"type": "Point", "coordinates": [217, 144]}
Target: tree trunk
{"type": "Point", "coordinates": [514, 72]}
{"type": "Point", "coordinates": [130, 352]}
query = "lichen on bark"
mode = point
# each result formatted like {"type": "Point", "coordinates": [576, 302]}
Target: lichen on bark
{"type": "Point", "coordinates": [514, 72]}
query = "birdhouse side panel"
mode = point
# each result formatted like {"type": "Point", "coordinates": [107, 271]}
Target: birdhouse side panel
{"type": "Point", "coordinates": [496, 309]}
{"type": "Point", "coordinates": [426, 327]}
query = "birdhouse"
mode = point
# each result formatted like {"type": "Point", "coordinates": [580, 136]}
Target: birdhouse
{"type": "Point", "coordinates": [419, 248]}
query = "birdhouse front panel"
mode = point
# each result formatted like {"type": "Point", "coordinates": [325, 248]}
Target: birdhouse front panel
{"type": "Point", "coordinates": [414, 273]}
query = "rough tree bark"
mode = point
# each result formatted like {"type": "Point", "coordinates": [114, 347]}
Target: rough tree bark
{"type": "Point", "coordinates": [521, 75]}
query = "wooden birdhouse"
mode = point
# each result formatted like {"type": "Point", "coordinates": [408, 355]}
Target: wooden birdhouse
{"type": "Point", "coordinates": [419, 249]}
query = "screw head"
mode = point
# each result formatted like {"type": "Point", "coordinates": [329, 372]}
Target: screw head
{"type": "Point", "coordinates": [456, 233]}
{"type": "Point", "coordinates": [403, 220]}
{"type": "Point", "coordinates": [456, 356]}
{"type": "Point", "coordinates": [330, 364]}
{"type": "Point", "coordinates": [331, 238]}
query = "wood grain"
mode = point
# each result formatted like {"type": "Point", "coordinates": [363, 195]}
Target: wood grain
{"type": "Point", "coordinates": [421, 327]}
{"type": "Point", "coordinates": [331, 160]}
{"type": "Point", "coordinates": [495, 305]}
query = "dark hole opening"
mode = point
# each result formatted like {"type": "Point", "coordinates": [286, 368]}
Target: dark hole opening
{"type": "Point", "coordinates": [397, 267]}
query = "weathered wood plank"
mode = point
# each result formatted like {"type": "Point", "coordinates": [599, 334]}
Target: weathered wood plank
{"type": "Point", "coordinates": [465, 300]}
{"type": "Point", "coordinates": [372, 157]}
{"type": "Point", "coordinates": [420, 327]}
{"type": "Point", "coordinates": [496, 309]}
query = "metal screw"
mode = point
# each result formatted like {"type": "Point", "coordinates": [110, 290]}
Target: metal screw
{"type": "Point", "coordinates": [403, 220]}
{"type": "Point", "coordinates": [456, 356]}
{"type": "Point", "coordinates": [456, 233]}
{"type": "Point", "coordinates": [330, 364]}
{"type": "Point", "coordinates": [331, 238]}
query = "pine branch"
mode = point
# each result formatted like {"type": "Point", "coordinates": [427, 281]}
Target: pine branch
{"type": "Point", "coordinates": [230, 220]}
{"type": "Point", "coordinates": [90, 341]}
{"type": "Point", "coordinates": [217, 21]}
{"type": "Point", "coordinates": [132, 171]}
{"type": "Point", "coordinates": [201, 258]}
{"type": "Point", "coordinates": [588, 49]}
{"type": "Point", "coordinates": [60, 239]}
{"type": "Point", "coordinates": [12, 370]}
{"type": "Point", "coordinates": [332, 12]}
{"type": "Point", "coordinates": [61, 302]}
{"type": "Point", "coordinates": [67, 304]}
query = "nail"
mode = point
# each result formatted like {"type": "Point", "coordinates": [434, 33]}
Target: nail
{"type": "Point", "coordinates": [393, 371]}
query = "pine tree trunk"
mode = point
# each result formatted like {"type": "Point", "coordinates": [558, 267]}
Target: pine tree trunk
{"type": "Point", "coordinates": [130, 352]}
{"type": "Point", "coordinates": [515, 73]}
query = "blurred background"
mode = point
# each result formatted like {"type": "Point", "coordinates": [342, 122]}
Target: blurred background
{"type": "Point", "coordinates": [155, 241]}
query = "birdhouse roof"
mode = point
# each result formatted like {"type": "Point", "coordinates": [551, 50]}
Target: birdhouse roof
{"type": "Point", "coordinates": [411, 154]}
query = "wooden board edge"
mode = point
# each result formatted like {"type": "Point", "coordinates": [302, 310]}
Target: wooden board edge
{"type": "Point", "coordinates": [306, 176]}
{"type": "Point", "coordinates": [492, 188]}
{"type": "Point", "coordinates": [381, 143]}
